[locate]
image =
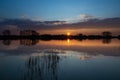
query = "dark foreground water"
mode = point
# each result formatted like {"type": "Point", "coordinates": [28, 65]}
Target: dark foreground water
{"type": "Point", "coordinates": [60, 60]}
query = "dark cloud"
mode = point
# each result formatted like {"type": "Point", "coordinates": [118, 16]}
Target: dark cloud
{"type": "Point", "coordinates": [56, 25]}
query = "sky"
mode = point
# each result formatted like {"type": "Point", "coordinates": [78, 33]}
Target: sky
{"type": "Point", "coordinates": [48, 10]}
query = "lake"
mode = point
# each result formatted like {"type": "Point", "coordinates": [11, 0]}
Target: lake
{"type": "Point", "coordinates": [60, 59]}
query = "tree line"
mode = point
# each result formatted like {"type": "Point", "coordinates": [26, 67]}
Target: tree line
{"type": "Point", "coordinates": [32, 34]}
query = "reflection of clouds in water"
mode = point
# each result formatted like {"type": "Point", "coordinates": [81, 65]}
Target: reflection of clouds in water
{"type": "Point", "coordinates": [44, 52]}
{"type": "Point", "coordinates": [51, 64]}
{"type": "Point", "coordinates": [63, 53]}
{"type": "Point", "coordinates": [92, 51]}
{"type": "Point", "coordinates": [10, 47]}
{"type": "Point", "coordinates": [86, 56]}
{"type": "Point", "coordinates": [82, 55]}
{"type": "Point", "coordinates": [56, 51]}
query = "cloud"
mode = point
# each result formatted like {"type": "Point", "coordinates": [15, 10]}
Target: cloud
{"type": "Point", "coordinates": [33, 18]}
{"type": "Point", "coordinates": [37, 19]}
{"type": "Point", "coordinates": [24, 16]}
{"type": "Point", "coordinates": [86, 17]}
{"type": "Point", "coordinates": [1, 19]}
{"type": "Point", "coordinates": [80, 18]}
{"type": "Point", "coordinates": [72, 19]}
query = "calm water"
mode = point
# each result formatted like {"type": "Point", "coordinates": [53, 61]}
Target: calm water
{"type": "Point", "coordinates": [60, 60]}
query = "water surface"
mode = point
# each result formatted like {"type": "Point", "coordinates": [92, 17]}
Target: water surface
{"type": "Point", "coordinates": [60, 60]}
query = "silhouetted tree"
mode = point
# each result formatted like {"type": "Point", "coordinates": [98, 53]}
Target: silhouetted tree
{"type": "Point", "coordinates": [118, 36]}
{"type": "Point", "coordinates": [107, 34]}
{"type": "Point", "coordinates": [34, 33]}
{"type": "Point", "coordinates": [28, 33]}
{"type": "Point", "coordinates": [80, 35]}
{"type": "Point", "coordinates": [6, 32]}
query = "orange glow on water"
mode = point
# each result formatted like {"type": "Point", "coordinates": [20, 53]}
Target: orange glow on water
{"type": "Point", "coordinates": [68, 41]}
{"type": "Point", "coordinates": [84, 43]}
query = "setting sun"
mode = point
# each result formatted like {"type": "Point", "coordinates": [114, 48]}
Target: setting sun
{"type": "Point", "coordinates": [68, 33]}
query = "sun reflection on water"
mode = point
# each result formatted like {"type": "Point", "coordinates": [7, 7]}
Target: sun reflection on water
{"type": "Point", "coordinates": [68, 41]}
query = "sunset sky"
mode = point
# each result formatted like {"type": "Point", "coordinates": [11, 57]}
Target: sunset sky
{"type": "Point", "coordinates": [71, 11]}
{"type": "Point", "coordinates": [58, 9]}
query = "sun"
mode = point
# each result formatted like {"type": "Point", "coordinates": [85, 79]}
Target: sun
{"type": "Point", "coordinates": [68, 33]}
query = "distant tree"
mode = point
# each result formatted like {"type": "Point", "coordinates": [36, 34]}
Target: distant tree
{"type": "Point", "coordinates": [34, 33]}
{"type": "Point", "coordinates": [107, 33]}
{"type": "Point", "coordinates": [28, 32]}
{"type": "Point", "coordinates": [80, 34]}
{"type": "Point", "coordinates": [6, 32]}
{"type": "Point", "coordinates": [118, 36]}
